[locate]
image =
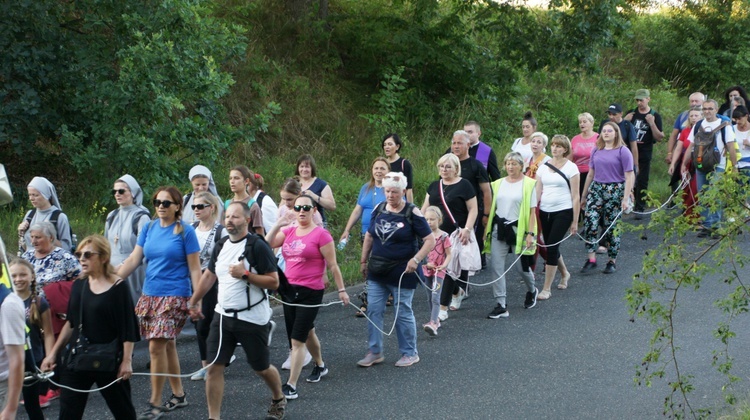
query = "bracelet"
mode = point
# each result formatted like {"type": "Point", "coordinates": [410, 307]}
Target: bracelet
{"type": "Point", "coordinates": [342, 290]}
{"type": "Point", "coordinates": [531, 233]}
{"type": "Point", "coordinates": [318, 200]}
{"type": "Point", "coordinates": [363, 262]}
{"type": "Point", "coordinates": [195, 306]}
{"type": "Point", "coordinates": [415, 260]}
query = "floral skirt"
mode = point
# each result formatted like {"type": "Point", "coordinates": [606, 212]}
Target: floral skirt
{"type": "Point", "coordinates": [161, 316]}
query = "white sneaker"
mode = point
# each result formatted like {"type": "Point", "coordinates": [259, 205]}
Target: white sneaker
{"type": "Point", "coordinates": [443, 315]}
{"type": "Point", "coordinates": [199, 376]}
{"type": "Point", "coordinates": [456, 300]}
{"type": "Point", "coordinates": [287, 365]}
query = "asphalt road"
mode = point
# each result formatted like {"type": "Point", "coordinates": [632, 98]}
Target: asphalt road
{"type": "Point", "coordinates": [571, 357]}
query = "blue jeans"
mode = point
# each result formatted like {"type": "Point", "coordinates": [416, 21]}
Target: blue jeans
{"type": "Point", "coordinates": [406, 325]}
{"type": "Point", "coordinates": [710, 219]}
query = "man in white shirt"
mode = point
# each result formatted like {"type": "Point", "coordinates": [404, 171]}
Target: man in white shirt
{"type": "Point", "coordinates": [725, 137]}
{"type": "Point", "coordinates": [12, 340]}
{"type": "Point", "coordinates": [243, 311]}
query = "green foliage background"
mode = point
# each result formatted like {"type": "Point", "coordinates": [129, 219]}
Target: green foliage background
{"type": "Point", "coordinates": [90, 90]}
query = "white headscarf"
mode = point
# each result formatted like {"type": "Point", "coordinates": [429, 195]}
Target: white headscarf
{"type": "Point", "coordinates": [202, 170]}
{"type": "Point", "coordinates": [135, 190]}
{"type": "Point", "coordinates": [46, 189]}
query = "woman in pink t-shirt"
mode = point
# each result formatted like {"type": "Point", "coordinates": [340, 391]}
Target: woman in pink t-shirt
{"type": "Point", "coordinates": [583, 144]}
{"type": "Point", "coordinates": [307, 249]}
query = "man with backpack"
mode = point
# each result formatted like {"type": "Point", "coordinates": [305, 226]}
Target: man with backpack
{"type": "Point", "coordinates": [244, 266]}
{"type": "Point", "coordinates": [648, 131]}
{"type": "Point", "coordinates": [709, 139]}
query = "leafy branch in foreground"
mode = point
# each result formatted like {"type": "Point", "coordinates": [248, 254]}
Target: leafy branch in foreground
{"type": "Point", "coordinates": [680, 265]}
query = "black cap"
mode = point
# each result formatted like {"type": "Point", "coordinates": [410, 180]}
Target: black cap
{"type": "Point", "coordinates": [614, 109]}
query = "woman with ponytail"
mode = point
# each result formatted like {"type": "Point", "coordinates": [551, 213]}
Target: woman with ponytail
{"type": "Point", "coordinates": [173, 253]}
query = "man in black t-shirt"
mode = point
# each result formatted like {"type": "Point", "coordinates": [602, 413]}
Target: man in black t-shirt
{"type": "Point", "coordinates": [473, 171]}
{"type": "Point", "coordinates": [648, 131]}
{"type": "Point", "coordinates": [481, 151]}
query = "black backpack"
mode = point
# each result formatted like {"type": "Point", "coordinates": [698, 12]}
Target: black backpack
{"type": "Point", "coordinates": [135, 219]}
{"type": "Point", "coordinates": [284, 288]}
{"type": "Point", "coordinates": [706, 154]}
{"type": "Point", "coordinates": [54, 219]}
{"type": "Point", "coordinates": [217, 235]}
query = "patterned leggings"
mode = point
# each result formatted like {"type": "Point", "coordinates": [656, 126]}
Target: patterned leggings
{"type": "Point", "coordinates": [603, 203]}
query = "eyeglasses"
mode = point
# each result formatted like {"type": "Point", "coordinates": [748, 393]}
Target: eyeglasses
{"type": "Point", "coordinates": [85, 255]}
{"type": "Point", "coordinates": [200, 206]}
{"type": "Point", "coordinates": [306, 207]}
{"type": "Point", "coordinates": [163, 203]}
{"type": "Point", "coordinates": [121, 191]}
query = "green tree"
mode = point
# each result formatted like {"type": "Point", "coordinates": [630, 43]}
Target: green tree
{"type": "Point", "coordinates": [114, 87]}
{"type": "Point", "coordinates": [679, 266]}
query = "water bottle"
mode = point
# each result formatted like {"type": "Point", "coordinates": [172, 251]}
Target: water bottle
{"type": "Point", "coordinates": [629, 208]}
{"type": "Point", "coordinates": [342, 244]}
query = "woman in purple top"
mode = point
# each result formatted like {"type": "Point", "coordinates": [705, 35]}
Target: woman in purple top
{"type": "Point", "coordinates": [608, 185]}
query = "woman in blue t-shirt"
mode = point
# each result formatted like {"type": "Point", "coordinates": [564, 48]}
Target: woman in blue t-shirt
{"type": "Point", "coordinates": [172, 250]}
{"type": "Point", "coordinates": [370, 195]}
{"type": "Point", "coordinates": [394, 255]}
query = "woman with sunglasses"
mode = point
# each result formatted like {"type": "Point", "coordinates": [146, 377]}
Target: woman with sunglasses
{"type": "Point", "coordinates": [174, 269]}
{"type": "Point", "coordinates": [314, 187]}
{"type": "Point", "coordinates": [208, 230]}
{"type": "Point", "coordinates": [100, 302]}
{"type": "Point", "coordinates": [123, 226]}
{"type": "Point", "coordinates": [308, 249]}
{"type": "Point", "coordinates": [201, 180]}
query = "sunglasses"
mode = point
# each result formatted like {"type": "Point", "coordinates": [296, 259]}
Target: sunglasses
{"type": "Point", "coordinates": [164, 203]}
{"type": "Point", "coordinates": [306, 207]}
{"type": "Point", "coordinates": [200, 206]}
{"type": "Point", "coordinates": [85, 255]}
{"type": "Point", "coordinates": [121, 191]}
{"type": "Point", "coordinates": [395, 178]}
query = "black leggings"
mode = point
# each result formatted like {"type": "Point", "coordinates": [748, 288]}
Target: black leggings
{"type": "Point", "coordinates": [554, 227]}
{"type": "Point", "coordinates": [31, 390]}
{"type": "Point", "coordinates": [451, 287]}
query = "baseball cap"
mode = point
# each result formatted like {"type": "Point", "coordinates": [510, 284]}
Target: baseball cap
{"type": "Point", "coordinates": [642, 94]}
{"type": "Point", "coordinates": [614, 108]}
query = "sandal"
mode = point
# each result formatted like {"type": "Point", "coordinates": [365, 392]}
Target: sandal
{"type": "Point", "coordinates": [389, 302]}
{"type": "Point", "coordinates": [151, 413]}
{"type": "Point", "coordinates": [544, 295]}
{"type": "Point", "coordinates": [175, 402]}
{"type": "Point", "coordinates": [563, 282]}
{"type": "Point", "coordinates": [361, 312]}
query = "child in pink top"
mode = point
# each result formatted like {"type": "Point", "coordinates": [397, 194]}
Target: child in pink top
{"type": "Point", "coordinates": [434, 270]}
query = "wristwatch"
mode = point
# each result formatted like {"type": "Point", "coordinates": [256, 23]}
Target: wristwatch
{"type": "Point", "coordinates": [246, 275]}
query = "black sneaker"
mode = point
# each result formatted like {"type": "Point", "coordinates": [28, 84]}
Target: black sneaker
{"type": "Point", "coordinates": [705, 232]}
{"type": "Point", "coordinates": [498, 312]}
{"type": "Point", "coordinates": [530, 301]}
{"type": "Point", "coordinates": [317, 373]}
{"type": "Point", "coordinates": [589, 267]}
{"type": "Point", "coordinates": [289, 392]}
{"type": "Point", "coordinates": [610, 268]}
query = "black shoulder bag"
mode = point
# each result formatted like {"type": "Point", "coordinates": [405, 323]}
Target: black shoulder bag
{"type": "Point", "coordinates": [84, 356]}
